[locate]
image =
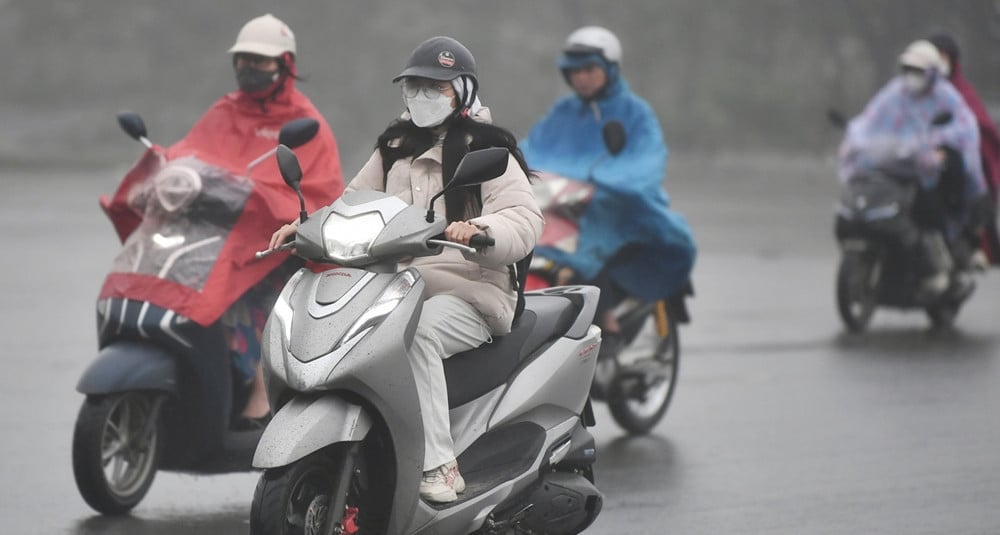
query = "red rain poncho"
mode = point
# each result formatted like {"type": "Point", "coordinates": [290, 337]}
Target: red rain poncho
{"type": "Point", "coordinates": [233, 132]}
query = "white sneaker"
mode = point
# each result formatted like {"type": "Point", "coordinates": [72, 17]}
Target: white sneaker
{"type": "Point", "coordinates": [979, 261]}
{"type": "Point", "coordinates": [442, 484]}
{"type": "Point", "coordinates": [935, 284]}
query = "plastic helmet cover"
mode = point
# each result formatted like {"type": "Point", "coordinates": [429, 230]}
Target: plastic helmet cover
{"type": "Point", "coordinates": [265, 36]}
{"type": "Point", "coordinates": [594, 40]}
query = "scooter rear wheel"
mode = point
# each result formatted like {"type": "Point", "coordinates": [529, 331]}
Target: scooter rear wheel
{"type": "Point", "coordinates": [641, 392]}
{"type": "Point", "coordinates": [116, 450]}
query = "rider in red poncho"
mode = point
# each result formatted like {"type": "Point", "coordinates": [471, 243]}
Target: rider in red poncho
{"type": "Point", "coordinates": [989, 140]}
{"type": "Point", "coordinates": [236, 130]}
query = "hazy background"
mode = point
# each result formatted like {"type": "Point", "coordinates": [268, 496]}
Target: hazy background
{"type": "Point", "coordinates": [724, 75]}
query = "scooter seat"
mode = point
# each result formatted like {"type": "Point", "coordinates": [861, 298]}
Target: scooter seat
{"type": "Point", "coordinates": [473, 373]}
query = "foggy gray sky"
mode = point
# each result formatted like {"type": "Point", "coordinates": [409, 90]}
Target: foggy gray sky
{"type": "Point", "coordinates": [730, 75]}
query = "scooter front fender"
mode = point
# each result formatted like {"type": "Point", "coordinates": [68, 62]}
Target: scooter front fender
{"type": "Point", "coordinates": [128, 365]}
{"type": "Point", "coordinates": [308, 424]}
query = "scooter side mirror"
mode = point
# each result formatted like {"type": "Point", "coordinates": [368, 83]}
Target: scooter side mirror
{"type": "Point", "coordinates": [942, 118]}
{"type": "Point", "coordinates": [132, 124]}
{"type": "Point", "coordinates": [475, 167]}
{"type": "Point", "coordinates": [836, 118]}
{"type": "Point", "coordinates": [479, 166]}
{"type": "Point", "coordinates": [289, 166]}
{"type": "Point", "coordinates": [291, 172]}
{"type": "Point", "coordinates": [298, 132]}
{"type": "Point", "coordinates": [614, 136]}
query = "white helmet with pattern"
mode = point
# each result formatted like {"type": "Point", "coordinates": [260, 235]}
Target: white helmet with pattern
{"type": "Point", "coordinates": [267, 36]}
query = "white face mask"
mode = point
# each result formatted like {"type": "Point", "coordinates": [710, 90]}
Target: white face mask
{"type": "Point", "coordinates": [914, 83]}
{"type": "Point", "coordinates": [427, 112]}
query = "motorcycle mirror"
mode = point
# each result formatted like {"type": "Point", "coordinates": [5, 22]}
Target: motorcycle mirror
{"type": "Point", "coordinates": [134, 126]}
{"type": "Point", "coordinates": [291, 172]}
{"type": "Point", "coordinates": [474, 168]}
{"type": "Point", "coordinates": [942, 118]}
{"type": "Point", "coordinates": [298, 132]}
{"type": "Point", "coordinates": [479, 166]}
{"type": "Point", "coordinates": [614, 136]}
{"type": "Point", "coordinates": [836, 118]}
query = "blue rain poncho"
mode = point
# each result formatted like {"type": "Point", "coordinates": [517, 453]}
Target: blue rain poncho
{"type": "Point", "coordinates": [630, 206]}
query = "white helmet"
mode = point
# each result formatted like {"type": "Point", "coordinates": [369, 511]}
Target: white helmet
{"type": "Point", "coordinates": [266, 36]}
{"type": "Point", "coordinates": [922, 55]}
{"type": "Point", "coordinates": [595, 39]}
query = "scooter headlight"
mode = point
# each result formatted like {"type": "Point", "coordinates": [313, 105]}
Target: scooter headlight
{"type": "Point", "coordinates": [176, 186]}
{"type": "Point", "coordinates": [348, 239]}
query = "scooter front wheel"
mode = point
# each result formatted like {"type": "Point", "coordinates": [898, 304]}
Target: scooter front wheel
{"type": "Point", "coordinates": [116, 450]}
{"type": "Point", "coordinates": [296, 499]}
{"type": "Point", "coordinates": [857, 283]}
{"type": "Point", "coordinates": [647, 374]}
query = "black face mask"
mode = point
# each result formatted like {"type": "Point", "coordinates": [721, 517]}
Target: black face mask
{"type": "Point", "coordinates": [250, 80]}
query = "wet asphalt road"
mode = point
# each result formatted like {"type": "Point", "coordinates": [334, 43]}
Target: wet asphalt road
{"type": "Point", "coordinates": [781, 423]}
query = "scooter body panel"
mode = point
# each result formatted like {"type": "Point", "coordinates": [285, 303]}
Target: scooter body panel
{"type": "Point", "coordinates": [337, 368]}
{"type": "Point", "coordinates": [372, 364]}
{"type": "Point", "coordinates": [304, 426]}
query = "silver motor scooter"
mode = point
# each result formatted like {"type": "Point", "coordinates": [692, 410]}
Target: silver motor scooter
{"type": "Point", "coordinates": [344, 451]}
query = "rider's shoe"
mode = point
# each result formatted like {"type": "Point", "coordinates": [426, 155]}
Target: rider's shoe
{"type": "Point", "coordinates": [935, 285]}
{"type": "Point", "coordinates": [961, 286]}
{"type": "Point", "coordinates": [442, 484]}
{"type": "Point", "coordinates": [978, 261]}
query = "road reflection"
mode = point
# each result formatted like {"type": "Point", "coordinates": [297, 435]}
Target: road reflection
{"type": "Point", "coordinates": [218, 523]}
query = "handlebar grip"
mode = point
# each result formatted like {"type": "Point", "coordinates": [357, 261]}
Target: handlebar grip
{"type": "Point", "coordinates": [481, 240]}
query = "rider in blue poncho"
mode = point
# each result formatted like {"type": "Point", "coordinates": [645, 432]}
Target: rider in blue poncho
{"type": "Point", "coordinates": [629, 239]}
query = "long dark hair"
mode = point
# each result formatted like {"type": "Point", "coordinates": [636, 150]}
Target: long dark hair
{"type": "Point", "coordinates": [403, 139]}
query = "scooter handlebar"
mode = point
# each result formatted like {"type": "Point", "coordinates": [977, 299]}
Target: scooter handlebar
{"type": "Point", "coordinates": [482, 240]}
{"type": "Point", "coordinates": [477, 241]}
{"type": "Point", "coordinates": [287, 246]}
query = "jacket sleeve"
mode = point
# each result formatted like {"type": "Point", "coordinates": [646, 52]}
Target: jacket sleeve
{"type": "Point", "coordinates": [510, 216]}
{"type": "Point", "coordinates": [370, 177]}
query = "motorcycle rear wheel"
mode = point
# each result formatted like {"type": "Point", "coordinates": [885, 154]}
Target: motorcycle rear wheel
{"type": "Point", "coordinates": [116, 450]}
{"type": "Point", "coordinates": [641, 392]}
{"type": "Point", "coordinates": [857, 280]}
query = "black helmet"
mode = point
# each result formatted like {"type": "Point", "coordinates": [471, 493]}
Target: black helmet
{"type": "Point", "coordinates": [443, 58]}
{"type": "Point", "coordinates": [440, 58]}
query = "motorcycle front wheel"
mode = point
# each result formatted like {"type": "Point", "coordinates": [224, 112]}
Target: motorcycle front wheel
{"type": "Point", "coordinates": [116, 450]}
{"type": "Point", "coordinates": [296, 499]}
{"type": "Point", "coordinates": [857, 282]}
{"type": "Point", "coordinates": [647, 373]}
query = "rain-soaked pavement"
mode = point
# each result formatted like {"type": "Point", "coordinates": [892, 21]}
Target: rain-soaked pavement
{"type": "Point", "coordinates": [781, 423]}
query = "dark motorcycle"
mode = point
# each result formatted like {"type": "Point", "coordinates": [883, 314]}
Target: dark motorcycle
{"type": "Point", "coordinates": [886, 254]}
{"type": "Point", "coordinates": [636, 378]}
{"type": "Point", "coordinates": [160, 394]}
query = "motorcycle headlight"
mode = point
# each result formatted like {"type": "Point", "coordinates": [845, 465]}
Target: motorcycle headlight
{"type": "Point", "coordinates": [176, 186]}
{"type": "Point", "coordinates": [347, 239]}
{"type": "Point", "coordinates": [882, 212]}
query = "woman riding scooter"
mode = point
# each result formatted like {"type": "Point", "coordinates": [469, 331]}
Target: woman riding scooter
{"type": "Point", "coordinates": [471, 296]}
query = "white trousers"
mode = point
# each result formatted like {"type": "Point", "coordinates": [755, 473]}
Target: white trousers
{"type": "Point", "coordinates": [448, 325]}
